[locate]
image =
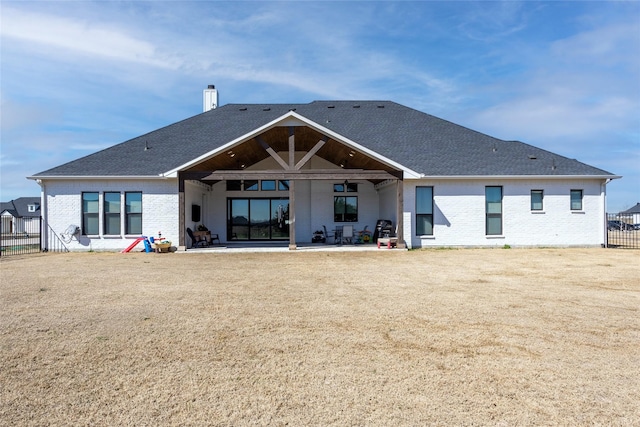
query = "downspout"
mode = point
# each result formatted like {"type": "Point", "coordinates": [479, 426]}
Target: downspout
{"type": "Point", "coordinates": [44, 217]}
{"type": "Point", "coordinates": [400, 244]}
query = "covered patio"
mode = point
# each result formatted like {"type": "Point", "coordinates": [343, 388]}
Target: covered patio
{"type": "Point", "coordinates": [307, 160]}
{"type": "Point", "coordinates": [256, 247]}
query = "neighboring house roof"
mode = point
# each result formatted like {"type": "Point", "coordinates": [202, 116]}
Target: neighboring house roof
{"type": "Point", "coordinates": [416, 140]}
{"type": "Point", "coordinates": [633, 210]}
{"type": "Point", "coordinates": [19, 208]}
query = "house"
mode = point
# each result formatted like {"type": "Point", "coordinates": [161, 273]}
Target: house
{"type": "Point", "coordinates": [632, 215]}
{"type": "Point", "coordinates": [21, 216]}
{"type": "Point", "coordinates": [279, 172]}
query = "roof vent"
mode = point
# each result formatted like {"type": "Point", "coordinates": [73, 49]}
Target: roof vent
{"type": "Point", "coordinates": [266, 109]}
{"type": "Point", "coordinates": [331, 106]}
{"type": "Point", "coordinates": [381, 106]}
{"type": "Point", "coordinates": [356, 106]}
{"type": "Point", "coordinates": [532, 157]}
{"type": "Point", "coordinates": [243, 109]}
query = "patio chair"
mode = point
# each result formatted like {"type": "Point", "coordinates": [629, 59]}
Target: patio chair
{"type": "Point", "coordinates": [195, 243]}
{"type": "Point", "coordinates": [213, 237]}
{"type": "Point", "coordinates": [327, 235]}
{"type": "Point", "coordinates": [209, 236]}
{"type": "Point", "coordinates": [347, 234]}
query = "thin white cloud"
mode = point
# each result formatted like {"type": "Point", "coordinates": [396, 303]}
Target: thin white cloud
{"type": "Point", "coordinates": [17, 115]}
{"type": "Point", "coordinates": [608, 45]}
{"type": "Point", "coordinates": [81, 37]}
{"type": "Point", "coordinates": [547, 115]}
{"type": "Point", "coordinates": [492, 21]}
{"type": "Point", "coordinates": [298, 54]}
{"type": "Point", "coordinates": [571, 89]}
{"type": "Point", "coordinates": [6, 161]}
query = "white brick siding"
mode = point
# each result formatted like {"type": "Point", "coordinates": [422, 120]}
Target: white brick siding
{"type": "Point", "coordinates": [459, 214]}
{"type": "Point", "coordinates": [459, 210]}
{"type": "Point", "coordinates": [159, 210]}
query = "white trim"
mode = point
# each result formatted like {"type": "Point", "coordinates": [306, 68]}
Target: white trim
{"type": "Point", "coordinates": [384, 183]}
{"type": "Point", "coordinates": [96, 177]}
{"type": "Point", "coordinates": [523, 177]}
{"type": "Point", "coordinates": [174, 174]}
{"type": "Point", "coordinates": [292, 118]}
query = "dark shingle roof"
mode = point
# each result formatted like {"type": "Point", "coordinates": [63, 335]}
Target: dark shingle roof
{"type": "Point", "coordinates": [633, 210]}
{"type": "Point", "coordinates": [19, 207]}
{"type": "Point", "coordinates": [416, 140]}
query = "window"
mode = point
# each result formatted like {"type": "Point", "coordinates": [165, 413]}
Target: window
{"type": "Point", "coordinates": [90, 214]}
{"type": "Point", "coordinates": [250, 185]}
{"type": "Point", "coordinates": [283, 185]}
{"type": "Point", "coordinates": [345, 209]}
{"type": "Point", "coordinates": [258, 218]}
{"type": "Point", "coordinates": [112, 213]}
{"type": "Point", "coordinates": [347, 186]}
{"type": "Point", "coordinates": [268, 185]}
{"type": "Point", "coordinates": [576, 200]}
{"type": "Point", "coordinates": [493, 209]}
{"type": "Point", "coordinates": [133, 212]}
{"type": "Point", "coordinates": [424, 211]}
{"type": "Point", "coordinates": [234, 185]}
{"type": "Point", "coordinates": [536, 200]}
{"type": "Point", "coordinates": [255, 185]}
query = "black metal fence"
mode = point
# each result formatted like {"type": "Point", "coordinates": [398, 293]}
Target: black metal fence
{"type": "Point", "coordinates": [20, 236]}
{"type": "Point", "coordinates": [622, 231]}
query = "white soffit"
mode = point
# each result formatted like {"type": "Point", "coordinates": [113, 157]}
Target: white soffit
{"type": "Point", "coordinates": [514, 177]}
{"type": "Point", "coordinates": [97, 177]}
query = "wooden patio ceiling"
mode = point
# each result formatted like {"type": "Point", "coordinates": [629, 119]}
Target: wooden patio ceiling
{"type": "Point", "coordinates": [354, 164]}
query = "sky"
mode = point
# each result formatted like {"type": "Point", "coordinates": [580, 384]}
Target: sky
{"type": "Point", "coordinates": [80, 76]}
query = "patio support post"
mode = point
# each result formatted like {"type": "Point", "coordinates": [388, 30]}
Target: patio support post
{"type": "Point", "coordinates": [292, 216]}
{"type": "Point", "coordinates": [400, 214]}
{"type": "Point", "coordinates": [292, 191]}
{"type": "Point", "coordinates": [44, 217]}
{"type": "Point", "coordinates": [182, 245]}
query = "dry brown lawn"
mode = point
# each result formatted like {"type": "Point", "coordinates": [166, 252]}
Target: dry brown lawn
{"type": "Point", "coordinates": [393, 338]}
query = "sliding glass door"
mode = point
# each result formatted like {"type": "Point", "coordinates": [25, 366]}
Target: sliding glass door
{"type": "Point", "coordinates": [258, 218]}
